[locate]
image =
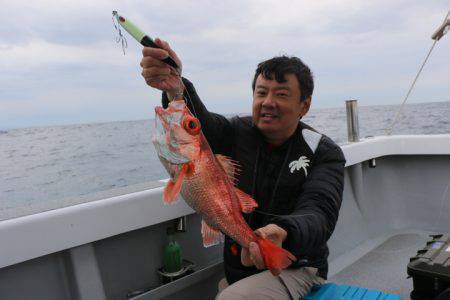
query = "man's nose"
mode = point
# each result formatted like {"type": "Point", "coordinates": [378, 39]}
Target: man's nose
{"type": "Point", "coordinates": [269, 101]}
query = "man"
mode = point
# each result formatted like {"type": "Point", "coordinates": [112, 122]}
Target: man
{"type": "Point", "coordinates": [294, 173]}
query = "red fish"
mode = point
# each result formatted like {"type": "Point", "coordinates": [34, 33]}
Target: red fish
{"type": "Point", "coordinates": [206, 182]}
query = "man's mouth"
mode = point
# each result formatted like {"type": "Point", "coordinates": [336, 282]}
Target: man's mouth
{"type": "Point", "coordinates": [268, 116]}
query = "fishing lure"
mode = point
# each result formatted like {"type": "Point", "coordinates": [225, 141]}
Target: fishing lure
{"type": "Point", "coordinates": [120, 38]}
{"type": "Point", "coordinates": [138, 35]}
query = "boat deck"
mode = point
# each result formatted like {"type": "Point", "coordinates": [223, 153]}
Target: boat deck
{"type": "Point", "coordinates": [384, 268]}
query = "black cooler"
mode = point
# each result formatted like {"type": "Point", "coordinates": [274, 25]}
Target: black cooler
{"type": "Point", "coordinates": [430, 270]}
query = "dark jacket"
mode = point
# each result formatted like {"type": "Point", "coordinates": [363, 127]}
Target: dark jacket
{"type": "Point", "coordinates": [297, 186]}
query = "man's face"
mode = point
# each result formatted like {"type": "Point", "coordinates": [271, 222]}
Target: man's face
{"type": "Point", "coordinates": [277, 107]}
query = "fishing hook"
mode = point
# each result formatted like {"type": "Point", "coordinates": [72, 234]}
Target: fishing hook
{"type": "Point", "coordinates": [120, 38]}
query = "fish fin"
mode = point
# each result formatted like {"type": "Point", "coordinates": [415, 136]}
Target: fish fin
{"type": "Point", "coordinates": [173, 188]}
{"type": "Point", "coordinates": [230, 166]}
{"type": "Point", "coordinates": [275, 258]}
{"type": "Point", "coordinates": [190, 169]}
{"type": "Point", "coordinates": [171, 192]}
{"type": "Point", "coordinates": [210, 235]}
{"type": "Point", "coordinates": [246, 201]}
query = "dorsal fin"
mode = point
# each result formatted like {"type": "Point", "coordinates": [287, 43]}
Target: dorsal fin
{"type": "Point", "coordinates": [230, 166]}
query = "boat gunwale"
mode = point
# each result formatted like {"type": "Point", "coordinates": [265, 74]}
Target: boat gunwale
{"type": "Point", "coordinates": [59, 229]}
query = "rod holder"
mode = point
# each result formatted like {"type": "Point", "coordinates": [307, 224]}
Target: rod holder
{"type": "Point", "coordinates": [180, 224]}
{"type": "Point", "coordinates": [352, 120]}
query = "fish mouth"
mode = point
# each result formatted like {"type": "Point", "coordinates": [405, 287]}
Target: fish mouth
{"type": "Point", "coordinates": [166, 146]}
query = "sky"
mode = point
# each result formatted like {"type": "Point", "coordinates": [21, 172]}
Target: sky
{"type": "Point", "coordinates": [60, 63]}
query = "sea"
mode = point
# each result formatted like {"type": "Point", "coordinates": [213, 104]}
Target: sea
{"type": "Point", "coordinates": [43, 168]}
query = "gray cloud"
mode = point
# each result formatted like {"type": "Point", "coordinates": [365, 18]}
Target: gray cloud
{"type": "Point", "coordinates": [60, 63]}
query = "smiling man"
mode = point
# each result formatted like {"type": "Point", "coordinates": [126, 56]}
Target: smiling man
{"type": "Point", "coordinates": [276, 109]}
{"type": "Point", "coordinates": [295, 174]}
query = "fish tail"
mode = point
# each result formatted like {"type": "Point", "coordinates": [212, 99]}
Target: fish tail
{"type": "Point", "coordinates": [275, 257]}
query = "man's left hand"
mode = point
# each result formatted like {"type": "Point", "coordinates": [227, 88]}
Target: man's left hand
{"type": "Point", "coordinates": [251, 256]}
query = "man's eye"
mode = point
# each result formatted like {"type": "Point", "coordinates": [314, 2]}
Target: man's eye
{"type": "Point", "coordinates": [282, 95]}
{"type": "Point", "coordinates": [260, 93]}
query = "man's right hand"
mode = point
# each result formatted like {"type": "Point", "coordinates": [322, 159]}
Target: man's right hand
{"type": "Point", "coordinates": [158, 74]}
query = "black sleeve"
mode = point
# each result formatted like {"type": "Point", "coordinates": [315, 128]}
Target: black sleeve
{"type": "Point", "coordinates": [217, 129]}
{"type": "Point", "coordinates": [317, 208]}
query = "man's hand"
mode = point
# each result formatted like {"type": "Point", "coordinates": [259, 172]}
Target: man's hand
{"type": "Point", "coordinates": [252, 256]}
{"type": "Point", "coordinates": [158, 74]}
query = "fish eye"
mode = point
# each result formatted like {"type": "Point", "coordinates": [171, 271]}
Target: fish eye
{"type": "Point", "coordinates": [192, 124]}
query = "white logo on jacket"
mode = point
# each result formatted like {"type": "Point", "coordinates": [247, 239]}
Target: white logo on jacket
{"type": "Point", "coordinates": [301, 163]}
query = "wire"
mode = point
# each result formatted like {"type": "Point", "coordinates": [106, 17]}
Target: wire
{"type": "Point", "coordinates": [388, 130]}
{"type": "Point", "coordinates": [188, 96]}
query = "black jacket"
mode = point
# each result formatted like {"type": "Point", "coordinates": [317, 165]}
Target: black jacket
{"type": "Point", "coordinates": [298, 186]}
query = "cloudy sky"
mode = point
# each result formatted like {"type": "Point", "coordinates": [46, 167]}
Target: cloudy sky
{"type": "Point", "coordinates": [60, 64]}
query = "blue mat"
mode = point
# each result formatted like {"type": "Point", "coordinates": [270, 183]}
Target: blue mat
{"type": "Point", "coordinates": [331, 291]}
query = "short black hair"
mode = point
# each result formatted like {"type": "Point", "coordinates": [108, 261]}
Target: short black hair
{"type": "Point", "coordinates": [279, 66]}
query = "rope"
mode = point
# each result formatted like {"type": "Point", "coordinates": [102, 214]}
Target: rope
{"type": "Point", "coordinates": [388, 130]}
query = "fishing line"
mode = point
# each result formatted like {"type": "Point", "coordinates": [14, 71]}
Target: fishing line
{"type": "Point", "coordinates": [388, 130]}
{"type": "Point", "coordinates": [188, 96]}
{"type": "Point", "coordinates": [291, 215]}
{"type": "Point", "coordinates": [275, 215]}
{"type": "Point", "coordinates": [255, 173]}
{"type": "Point", "coordinates": [279, 175]}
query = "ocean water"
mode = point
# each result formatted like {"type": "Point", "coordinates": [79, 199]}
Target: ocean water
{"type": "Point", "coordinates": [48, 164]}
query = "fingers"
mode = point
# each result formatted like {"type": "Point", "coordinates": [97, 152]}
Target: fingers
{"type": "Point", "coordinates": [155, 81]}
{"type": "Point", "coordinates": [155, 53]}
{"type": "Point", "coordinates": [148, 61]}
{"type": "Point", "coordinates": [275, 272]}
{"type": "Point", "coordinates": [162, 53]}
{"type": "Point", "coordinates": [158, 74]}
{"type": "Point", "coordinates": [251, 256]}
{"type": "Point", "coordinates": [245, 258]}
{"type": "Point", "coordinates": [165, 45]}
{"type": "Point", "coordinates": [161, 43]}
{"type": "Point", "coordinates": [272, 232]}
{"type": "Point", "coordinates": [255, 256]}
{"type": "Point", "coordinates": [261, 232]}
{"type": "Point", "coordinates": [154, 76]}
{"type": "Point", "coordinates": [155, 71]}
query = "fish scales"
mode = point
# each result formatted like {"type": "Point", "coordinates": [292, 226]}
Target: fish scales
{"type": "Point", "coordinates": [206, 184]}
{"type": "Point", "coordinates": [215, 203]}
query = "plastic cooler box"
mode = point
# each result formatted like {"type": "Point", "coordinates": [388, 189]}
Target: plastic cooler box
{"type": "Point", "coordinates": [331, 291]}
{"type": "Point", "coordinates": [430, 269]}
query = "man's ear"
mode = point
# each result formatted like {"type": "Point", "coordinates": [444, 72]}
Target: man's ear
{"type": "Point", "coordinates": [305, 108]}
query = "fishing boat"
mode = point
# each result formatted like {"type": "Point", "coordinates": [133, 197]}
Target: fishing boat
{"type": "Point", "coordinates": [397, 192]}
{"type": "Point", "coordinates": [112, 246]}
